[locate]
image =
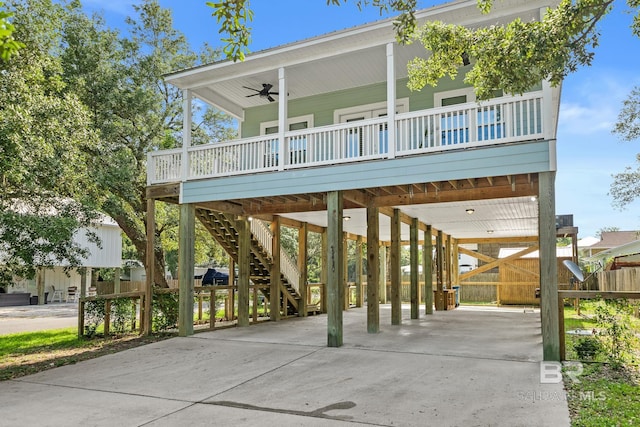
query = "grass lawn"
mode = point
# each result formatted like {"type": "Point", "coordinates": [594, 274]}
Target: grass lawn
{"type": "Point", "coordinates": [30, 352]}
{"type": "Point", "coordinates": [604, 396]}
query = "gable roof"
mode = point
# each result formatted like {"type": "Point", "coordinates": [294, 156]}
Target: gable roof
{"type": "Point", "coordinates": [613, 239]}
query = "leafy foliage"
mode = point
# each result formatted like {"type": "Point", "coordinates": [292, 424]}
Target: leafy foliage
{"type": "Point", "coordinates": [8, 45]}
{"type": "Point", "coordinates": [94, 312]}
{"type": "Point", "coordinates": [164, 311]}
{"type": "Point", "coordinates": [617, 336]}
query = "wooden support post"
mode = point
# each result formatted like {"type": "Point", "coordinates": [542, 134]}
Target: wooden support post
{"type": "Point", "coordinates": [440, 302]}
{"type": "Point", "coordinates": [255, 304]}
{"type": "Point", "coordinates": [40, 287]}
{"type": "Point", "coordinates": [359, 295]}
{"type": "Point", "coordinates": [274, 292]}
{"type": "Point", "coordinates": [230, 303]}
{"type": "Point", "coordinates": [324, 271]}
{"type": "Point", "coordinates": [548, 266]}
{"type": "Point", "coordinates": [212, 309]}
{"type": "Point", "coordinates": [413, 255]}
{"type": "Point", "coordinates": [186, 266]}
{"type": "Point", "coordinates": [396, 274]}
{"type": "Point", "coordinates": [455, 266]}
{"type": "Point", "coordinates": [244, 269]}
{"type": "Point", "coordinates": [449, 261]}
{"type": "Point", "coordinates": [427, 267]}
{"type": "Point", "coordinates": [302, 268]}
{"type": "Point", "coordinates": [107, 317]}
{"type": "Point", "coordinates": [561, 327]}
{"type": "Point", "coordinates": [335, 277]}
{"type": "Point", "coordinates": [116, 280]}
{"type": "Point", "coordinates": [346, 291]}
{"type": "Point", "coordinates": [150, 263]}
{"type": "Point", "coordinates": [373, 270]}
{"type": "Point", "coordinates": [383, 274]}
{"type": "Point", "coordinates": [81, 319]}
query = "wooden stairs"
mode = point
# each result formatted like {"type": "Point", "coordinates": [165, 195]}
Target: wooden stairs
{"type": "Point", "coordinates": [223, 228]}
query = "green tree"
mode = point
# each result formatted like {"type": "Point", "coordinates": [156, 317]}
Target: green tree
{"type": "Point", "coordinates": [120, 79]}
{"type": "Point", "coordinates": [511, 57]}
{"type": "Point", "coordinates": [9, 46]}
{"type": "Point", "coordinates": [625, 187]}
{"type": "Point", "coordinates": [42, 131]}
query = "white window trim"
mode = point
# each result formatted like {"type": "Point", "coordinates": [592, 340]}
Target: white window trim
{"type": "Point", "coordinates": [439, 96]}
{"type": "Point", "coordinates": [402, 106]}
{"type": "Point", "coordinates": [291, 120]}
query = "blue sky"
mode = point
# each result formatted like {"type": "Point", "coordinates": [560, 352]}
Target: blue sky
{"type": "Point", "coordinates": [588, 154]}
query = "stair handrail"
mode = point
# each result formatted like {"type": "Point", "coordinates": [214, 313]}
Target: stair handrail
{"type": "Point", "coordinates": [288, 267]}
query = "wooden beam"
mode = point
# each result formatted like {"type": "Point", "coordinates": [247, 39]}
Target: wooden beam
{"type": "Point", "coordinates": [396, 276]}
{"type": "Point", "coordinates": [495, 240]}
{"type": "Point", "coordinates": [275, 279]}
{"type": "Point", "coordinates": [440, 303]}
{"type": "Point", "coordinates": [357, 197]}
{"type": "Point", "coordinates": [303, 254]}
{"type": "Point", "coordinates": [498, 263]}
{"type": "Point", "coordinates": [548, 266]}
{"type": "Point", "coordinates": [244, 269]}
{"type": "Point", "coordinates": [452, 195]}
{"type": "Point", "coordinates": [335, 277]}
{"type": "Point", "coordinates": [186, 264]}
{"type": "Point", "coordinates": [413, 260]}
{"type": "Point", "coordinates": [324, 271]}
{"type": "Point", "coordinates": [163, 190]}
{"type": "Point", "coordinates": [226, 207]}
{"type": "Point", "coordinates": [427, 268]}
{"type": "Point", "coordinates": [486, 258]}
{"type": "Point", "coordinates": [373, 271]}
{"type": "Point", "coordinates": [150, 261]}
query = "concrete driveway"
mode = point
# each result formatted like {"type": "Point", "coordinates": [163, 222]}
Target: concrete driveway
{"type": "Point", "coordinates": [32, 318]}
{"type": "Point", "coordinates": [467, 367]}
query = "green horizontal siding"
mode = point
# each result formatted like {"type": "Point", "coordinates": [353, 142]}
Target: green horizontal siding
{"type": "Point", "coordinates": [479, 162]}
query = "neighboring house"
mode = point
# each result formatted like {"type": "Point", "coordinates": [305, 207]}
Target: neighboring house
{"type": "Point", "coordinates": [60, 277]}
{"type": "Point", "coordinates": [333, 142]}
{"type": "Point", "coordinates": [611, 239]}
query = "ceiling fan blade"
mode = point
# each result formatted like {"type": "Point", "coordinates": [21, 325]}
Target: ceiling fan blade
{"type": "Point", "coordinates": [250, 88]}
{"type": "Point", "coordinates": [253, 94]}
{"type": "Point", "coordinates": [270, 98]}
{"type": "Point", "coordinates": [273, 93]}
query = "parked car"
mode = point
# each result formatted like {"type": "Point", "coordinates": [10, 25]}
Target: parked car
{"type": "Point", "coordinates": [215, 277]}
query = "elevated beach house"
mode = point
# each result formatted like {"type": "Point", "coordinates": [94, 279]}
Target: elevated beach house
{"type": "Point", "coordinates": [333, 142]}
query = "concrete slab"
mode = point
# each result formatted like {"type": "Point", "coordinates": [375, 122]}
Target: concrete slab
{"type": "Point", "coordinates": [463, 367]}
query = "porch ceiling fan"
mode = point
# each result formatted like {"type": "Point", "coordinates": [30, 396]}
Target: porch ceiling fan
{"type": "Point", "coordinates": [265, 92]}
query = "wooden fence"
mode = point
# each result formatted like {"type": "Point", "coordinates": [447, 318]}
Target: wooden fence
{"type": "Point", "coordinates": [626, 279]}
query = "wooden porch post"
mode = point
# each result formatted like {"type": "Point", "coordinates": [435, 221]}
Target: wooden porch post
{"type": "Point", "coordinates": [336, 271]}
{"type": "Point", "coordinates": [324, 271]}
{"type": "Point", "coordinates": [274, 292]}
{"type": "Point", "coordinates": [185, 269]}
{"type": "Point", "coordinates": [230, 310]}
{"type": "Point", "coordinates": [359, 295]}
{"type": "Point", "coordinates": [116, 280]}
{"type": "Point", "coordinates": [346, 293]}
{"type": "Point", "coordinates": [383, 274]}
{"type": "Point", "coordinates": [413, 241]}
{"type": "Point", "coordinates": [302, 268]}
{"type": "Point", "coordinates": [548, 266]}
{"type": "Point", "coordinates": [455, 281]}
{"type": "Point", "coordinates": [440, 303]}
{"type": "Point", "coordinates": [373, 270]}
{"type": "Point", "coordinates": [427, 267]}
{"type": "Point", "coordinates": [396, 277]}
{"type": "Point", "coordinates": [449, 262]}
{"type": "Point", "coordinates": [244, 256]}
{"type": "Point", "coordinates": [150, 261]}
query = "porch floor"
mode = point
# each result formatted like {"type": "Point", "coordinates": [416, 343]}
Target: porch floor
{"type": "Point", "coordinates": [470, 366]}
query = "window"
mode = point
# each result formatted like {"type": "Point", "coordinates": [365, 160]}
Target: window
{"type": "Point", "coordinates": [365, 140]}
{"type": "Point", "coordinates": [297, 145]}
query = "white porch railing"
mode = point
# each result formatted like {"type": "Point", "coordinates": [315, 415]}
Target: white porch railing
{"type": "Point", "coordinates": [287, 266]}
{"type": "Point", "coordinates": [499, 121]}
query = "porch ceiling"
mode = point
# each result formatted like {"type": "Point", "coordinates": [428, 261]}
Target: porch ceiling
{"type": "Point", "coordinates": [344, 59]}
{"type": "Point", "coordinates": [503, 207]}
